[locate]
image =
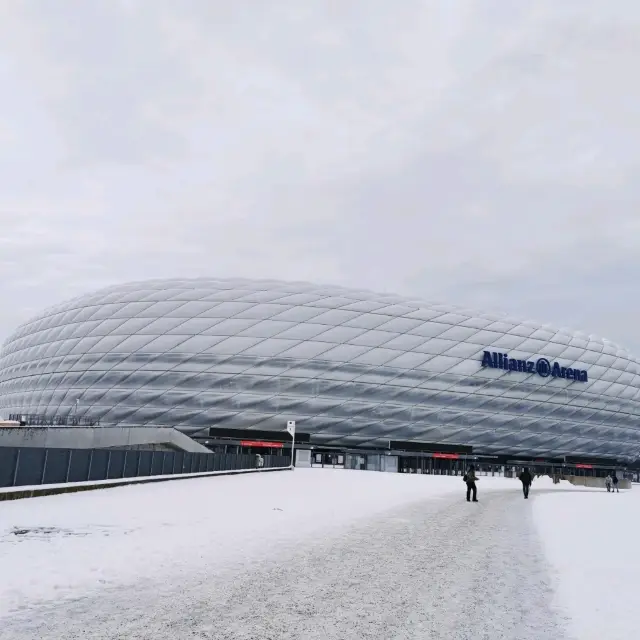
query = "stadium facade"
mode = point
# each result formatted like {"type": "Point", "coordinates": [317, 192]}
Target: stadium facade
{"type": "Point", "coordinates": [355, 369]}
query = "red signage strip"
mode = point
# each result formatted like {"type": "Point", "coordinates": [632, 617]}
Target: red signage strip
{"type": "Point", "coordinates": [445, 456]}
{"type": "Point", "coordinates": [257, 443]}
{"type": "Point", "coordinates": [584, 466]}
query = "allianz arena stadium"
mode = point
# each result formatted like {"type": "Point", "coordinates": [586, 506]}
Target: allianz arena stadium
{"type": "Point", "coordinates": [354, 369]}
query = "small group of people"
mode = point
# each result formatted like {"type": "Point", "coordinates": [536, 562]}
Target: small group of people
{"type": "Point", "coordinates": [470, 479]}
{"type": "Point", "coordinates": [611, 482]}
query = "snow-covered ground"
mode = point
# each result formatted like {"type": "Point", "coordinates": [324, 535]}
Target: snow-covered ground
{"type": "Point", "coordinates": [592, 543]}
{"type": "Point", "coordinates": [58, 546]}
{"type": "Point", "coordinates": [309, 553]}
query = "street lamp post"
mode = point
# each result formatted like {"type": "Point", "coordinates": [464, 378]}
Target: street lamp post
{"type": "Point", "coordinates": [291, 428]}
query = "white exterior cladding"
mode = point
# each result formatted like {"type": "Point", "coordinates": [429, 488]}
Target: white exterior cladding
{"type": "Point", "coordinates": [351, 367]}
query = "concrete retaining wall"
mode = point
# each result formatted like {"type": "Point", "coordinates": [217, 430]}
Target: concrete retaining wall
{"type": "Point", "coordinates": [587, 481]}
{"type": "Point", "coordinates": [97, 438]}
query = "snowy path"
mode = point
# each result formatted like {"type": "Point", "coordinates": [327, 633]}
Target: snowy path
{"type": "Point", "coordinates": [437, 569]}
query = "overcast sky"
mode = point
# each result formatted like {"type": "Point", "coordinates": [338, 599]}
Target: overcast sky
{"type": "Point", "coordinates": [481, 153]}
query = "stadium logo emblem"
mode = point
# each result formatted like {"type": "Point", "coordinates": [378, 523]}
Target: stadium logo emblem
{"type": "Point", "coordinates": [541, 366]}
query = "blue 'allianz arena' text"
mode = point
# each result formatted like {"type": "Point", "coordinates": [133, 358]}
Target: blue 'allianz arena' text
{"type": "Point", "coordinates": [541, 366]}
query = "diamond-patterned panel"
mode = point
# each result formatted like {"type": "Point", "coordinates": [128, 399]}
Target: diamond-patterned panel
{"type": "Point", "coordinates": [350, 366]}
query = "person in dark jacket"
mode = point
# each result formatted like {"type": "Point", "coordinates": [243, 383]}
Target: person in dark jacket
{"type": "Point", "coordinates": [470, 478]}
{"type": "Point", "coordinates": [614, 478]}
{"type": "Point", "coordinates": [526, 478]}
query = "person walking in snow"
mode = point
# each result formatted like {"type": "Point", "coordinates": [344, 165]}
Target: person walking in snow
{"type": "Point", "coordinates": [608, 481]}
{"type": "Point", "coordinates": [614, 479]}
{"type": "Point", "coordinates": [470, 478]}
{"type": "Point", "coordinates": [526, 478]}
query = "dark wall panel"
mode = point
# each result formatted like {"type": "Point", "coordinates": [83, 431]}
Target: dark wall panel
{"type": "Point", "coordinates": [79, 466]}
{"type": "Point", "coordinates": [116, 464]}
{"type": "Point", "coordinates": [35, 466]}
{"type": "Point", "coordinates": [30, 466]}
{"type": "Point", "coordinates": [56, 467]}
{"type": "Point", "coordinates": [8, 457]}
{"type": "Point", "coordinates": [99, 464]}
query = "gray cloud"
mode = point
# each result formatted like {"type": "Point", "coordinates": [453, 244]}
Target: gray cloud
{"type": "Point", "coordinates": [480, 153]}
